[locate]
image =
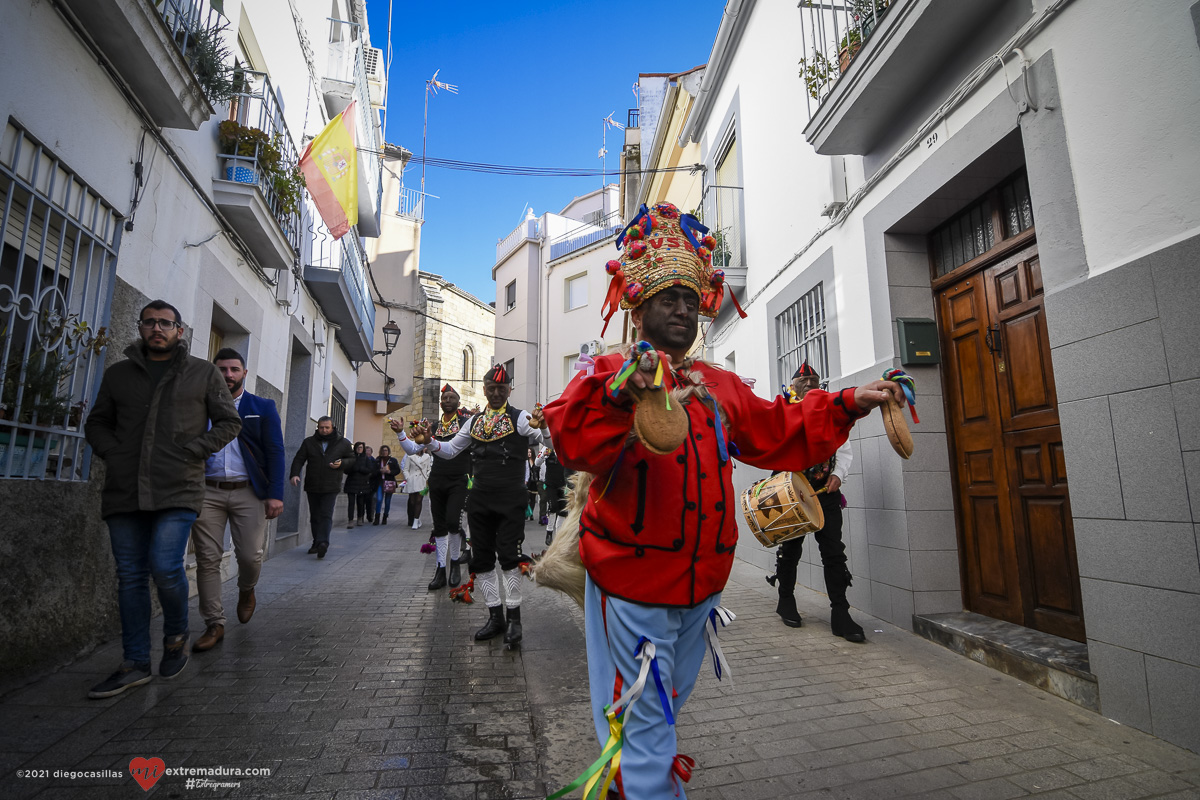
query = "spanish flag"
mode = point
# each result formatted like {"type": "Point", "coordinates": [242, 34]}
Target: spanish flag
{"type": "Point", "coordinates": [330, 167]}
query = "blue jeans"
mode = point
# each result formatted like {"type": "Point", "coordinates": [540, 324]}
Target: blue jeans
{"type": "Point", "coordinates": [383, 501]}
{"type": "Point", "coordinates": [149, 543]}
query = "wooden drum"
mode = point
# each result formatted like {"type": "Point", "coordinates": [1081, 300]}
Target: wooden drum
{"type": "Point", "coordinates": [782, 507]}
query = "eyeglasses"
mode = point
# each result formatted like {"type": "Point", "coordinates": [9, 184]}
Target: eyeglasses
{"type": "Point", "coordinates": [161, 324]}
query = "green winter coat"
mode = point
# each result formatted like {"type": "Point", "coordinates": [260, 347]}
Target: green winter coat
{"type": "Point", "coordinates": [155, 440]}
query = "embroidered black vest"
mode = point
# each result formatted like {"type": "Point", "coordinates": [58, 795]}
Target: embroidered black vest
{"type": "Point", "coordinates": [460, 465]}
{"type": "Point", "coordinates": [499, 458]}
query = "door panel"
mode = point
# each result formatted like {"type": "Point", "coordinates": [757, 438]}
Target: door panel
{"type": "Point", "coordinates": [1017, 540]}
{"type": "Point", "coordinates": [990, 575]}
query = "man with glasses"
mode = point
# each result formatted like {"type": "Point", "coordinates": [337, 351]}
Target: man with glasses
{"type": "Point", "coordinates": [151, 427]}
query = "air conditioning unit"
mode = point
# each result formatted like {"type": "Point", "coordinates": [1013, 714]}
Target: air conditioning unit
{"type": "Point", "coordinates": [374, 66]}
{"type": "Point", "coordinates": [593, 348]}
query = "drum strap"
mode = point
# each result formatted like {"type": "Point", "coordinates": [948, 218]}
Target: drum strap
{"type": "Point", "coordinates": [720, 664]}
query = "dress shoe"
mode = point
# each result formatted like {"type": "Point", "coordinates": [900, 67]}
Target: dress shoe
{"type": "Point", "coordinates": [513, 634]}
{"type": "Point", "coordinates": [842, 625]}
{"type": "Point", "coordinates": [786, 609]}
{"type": "Point", "coordinates": [321, 550]}
{"type": "Point", "coordinates": [439, 579]}
{"type": "Point", "coordinates": [246, 605]}
{"type": "Point", "coordinates": [312, 549]}
{"type": "Point", "coordinates": [494, 626]}
{"type": "Point", "coordinates": [455, 574]}
{"type": "Point", "coordinates": [350, 525]}
{"type": "Point", "coordinates": [212, 635]}
{"type": "Point", "coordinates": [549, 538]}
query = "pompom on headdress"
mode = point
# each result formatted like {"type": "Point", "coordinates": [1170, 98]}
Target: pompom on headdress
{"type": "Point", "coordinates": [497, 374]}
{"type": "Point", "coordinates": [664, 248]}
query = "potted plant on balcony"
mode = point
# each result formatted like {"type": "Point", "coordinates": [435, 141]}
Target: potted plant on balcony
{"type": "Point", "coordinates": [244, 142]}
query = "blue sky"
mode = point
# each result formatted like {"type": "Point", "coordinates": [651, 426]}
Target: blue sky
{"type": "Point", "coordinates": [535, 81]}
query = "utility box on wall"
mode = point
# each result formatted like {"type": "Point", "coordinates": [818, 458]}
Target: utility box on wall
{"type": "Point", "coordinates": [918, 341]}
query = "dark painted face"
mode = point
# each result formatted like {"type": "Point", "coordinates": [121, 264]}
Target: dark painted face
{"type": "Point", "coordinates": [806, 384]}
{"type": "Point", "coordinates": [450, 402]}
{"type": "Point", "coordinates": [496, 393]}
{"type": "Point", "coordinates": [670, 319]}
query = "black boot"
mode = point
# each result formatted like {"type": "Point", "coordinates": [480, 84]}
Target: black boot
{"type": "Point", "coordinates": [513, 634]}
{"type": "Point", "coordinates": [494, 626]}
{"type": "Point", "coordinates": [837, 579]}
{"type": "Point", "coordinates": [439, 579]}
{"type": "Point", "coordinates": [785, 582]}
{"type": "Point", "coordinates": [455, 574]}
{"type": "Point", "coordinates": [786, 609]}
{"type": "Point", "coordinates": [385, 519]}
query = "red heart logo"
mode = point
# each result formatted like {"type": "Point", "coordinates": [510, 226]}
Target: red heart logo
{"type": "Point", "coordinates": [147, 771]}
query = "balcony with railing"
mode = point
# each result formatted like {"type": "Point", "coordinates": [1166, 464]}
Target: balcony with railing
{"type": "Point", "coordinates": [585, 236]}
{"type": "Point", "coordinates": [258, 185]}
{"type": "Point", "coordinates": [335, 271]}
{"type": "Point", "coordinates": [355, 72]}
{"type": "Point", "coordinates": [865, 63]}
{"type": "Point", "coordinates": [528, 229]}
{"type": "Point", "coordinates": [412, 204]}
{"type": "Point", "coordinates": [163, 49]}
{"type": "Point", "coordinates": [723, 212]}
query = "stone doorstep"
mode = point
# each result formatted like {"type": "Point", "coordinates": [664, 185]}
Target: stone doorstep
{"type": "Point", "coordinates": [1050, 663]}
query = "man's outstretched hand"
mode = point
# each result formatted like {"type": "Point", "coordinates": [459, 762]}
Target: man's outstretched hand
{"type": "Point", "coordinates": [876, 393]}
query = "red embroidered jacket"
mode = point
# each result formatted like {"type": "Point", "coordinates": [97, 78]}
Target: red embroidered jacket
{"type": "Point", "coordinates": [664, 532]}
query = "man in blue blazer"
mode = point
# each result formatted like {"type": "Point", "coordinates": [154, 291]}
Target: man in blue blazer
{"type": "Point", "coordinates": [244, 487]}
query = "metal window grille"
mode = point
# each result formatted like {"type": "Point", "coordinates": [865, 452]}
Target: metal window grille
{"type": "Point", "coordinates": [972, 232]}
{"type": "Point", "coordinates": [337, 411]}
{"type": "Point", "coordinates": [800, 335]}
{"type": "Point", "coordinates": [57, 267]}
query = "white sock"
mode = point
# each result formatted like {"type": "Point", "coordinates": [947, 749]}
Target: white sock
{"type": "Point", "coordinates": [455, 546]}
{"type": "Point", "coordinates": [490, 584]}
{"type": "Point", "coordinates": [440, 543]}
{"type": "Point", "coordinates": [512, 587]}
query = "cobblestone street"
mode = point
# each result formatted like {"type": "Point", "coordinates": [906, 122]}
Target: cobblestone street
{"type": "Point", "coordinates": [353, 681]}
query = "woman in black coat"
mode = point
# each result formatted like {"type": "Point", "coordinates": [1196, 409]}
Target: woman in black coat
{"type": "Point", "coordinates": [358, 486]}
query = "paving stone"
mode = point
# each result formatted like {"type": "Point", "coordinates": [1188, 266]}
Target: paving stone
{"type": "Point", "coordinates": [353, 682]}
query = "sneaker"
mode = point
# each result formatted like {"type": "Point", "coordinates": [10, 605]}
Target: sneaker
{"type": "Point", "coordinates": [175, 656]}
{"type": "Point", "coordinates": [127, 676]}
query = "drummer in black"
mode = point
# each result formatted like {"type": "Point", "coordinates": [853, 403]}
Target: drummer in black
{"type": "Point", "coordinates": [498, 439]}
{"type": "Point", "coordinates": [447, 488]}
{"type": "Point", "coordinates": [827, 476]}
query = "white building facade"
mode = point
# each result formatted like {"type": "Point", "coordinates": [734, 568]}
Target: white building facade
{"type": "Point", "coordinates": [148, 152]}
{"type": "Point", "coordinates": [550, 285]}
{"type": "Point", "coordinates": [1041, 261]}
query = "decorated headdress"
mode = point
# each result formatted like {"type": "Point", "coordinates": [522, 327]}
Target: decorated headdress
{"type": "Point", "coordinates": [805, 371]}
{"type": "Point", "coordinates": [664, 248]}
{"type": "Point", "coordinates": [497, 374]}
{"type": "Point", "coordinates": [449, 388]}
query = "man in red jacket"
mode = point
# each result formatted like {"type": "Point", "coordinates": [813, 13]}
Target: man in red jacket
{"type": "Point", "coordinates": [658, 532]}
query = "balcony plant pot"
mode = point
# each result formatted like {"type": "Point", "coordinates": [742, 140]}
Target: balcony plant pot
{"type": "Point", "coordinates": [847, 53]}
{"type": "Point", "coordinates": [239, 171]}
{"type": "Point", "coordinates": [22, 449]}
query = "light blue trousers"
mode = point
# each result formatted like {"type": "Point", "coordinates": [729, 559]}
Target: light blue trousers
{"type": "Point", "coordinates": [613, 629]}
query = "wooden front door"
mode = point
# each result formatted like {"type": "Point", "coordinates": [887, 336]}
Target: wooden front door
{"type": "Point", "coordinates": [1017, 544]}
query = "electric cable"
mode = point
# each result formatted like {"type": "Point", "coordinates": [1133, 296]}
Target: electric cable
{"type": "Point", "coordinates": [531, 171]}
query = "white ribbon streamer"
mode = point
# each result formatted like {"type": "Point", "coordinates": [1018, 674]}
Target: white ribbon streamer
{"type": "Point", "coordinates": [720, 664]}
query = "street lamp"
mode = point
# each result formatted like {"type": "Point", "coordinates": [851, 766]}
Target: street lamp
{"type": "Point", "coordinates": [391, 335]}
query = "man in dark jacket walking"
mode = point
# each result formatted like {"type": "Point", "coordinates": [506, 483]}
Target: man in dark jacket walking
{"type": "Point", "coordinates": [327, 455]}
{"type": "Point", "coordinates": [360, 486]}
{"type": "Point", "coordinates": [151, 427]}
{"type": "Point", "coordinates": [244, 483]}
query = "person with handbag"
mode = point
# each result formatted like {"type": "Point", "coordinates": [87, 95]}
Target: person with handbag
{"type": "Point", "coordinates": [416, 473]}
{"type": "Point", "coordinates": [389, 474]}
